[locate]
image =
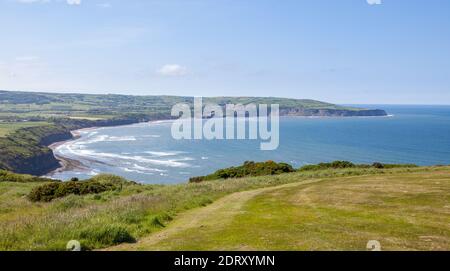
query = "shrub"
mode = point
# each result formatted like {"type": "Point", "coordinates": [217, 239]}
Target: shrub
{"type": "Point", "coordinates": [197, 179]}
{"type": "Point", "coordinates": [112, 179]}
{"type": "Point", "coordinates": [333, 165]}
{"type": "Point", "coordinates": [346, 164]}
{"type": "Point", "coordinates": [378, 165]}
{"type": "Point", "coordinates": [51, 191]}
{"type": "Point", "coordinates": [44, 192]}
{"type": "Point", "coordinates": [249, 168]}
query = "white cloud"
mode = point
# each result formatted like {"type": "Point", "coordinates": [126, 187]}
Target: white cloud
{"type": "Point", "coordinates": [374, 2]}
{"type": "Point", "coordinates": [74, 2]}
{"type": "Point", "coordinates": [172, 70]}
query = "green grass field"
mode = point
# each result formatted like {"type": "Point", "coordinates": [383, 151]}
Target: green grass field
{"type": "Point", "coordinates": [24, 105]}
{"type": "Point", "coordinates": [402, 212]}
{"type": "Point", "coordinates": [404, 208]}
{"type": "Point", "coordinates": [9, 127]}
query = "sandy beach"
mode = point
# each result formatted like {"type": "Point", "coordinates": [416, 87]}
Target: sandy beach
{"type": "Point", "coordinates": [65, 162]}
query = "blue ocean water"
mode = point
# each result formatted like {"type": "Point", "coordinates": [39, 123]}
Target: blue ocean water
{"type": "Point", "coordinates": [146, 152]}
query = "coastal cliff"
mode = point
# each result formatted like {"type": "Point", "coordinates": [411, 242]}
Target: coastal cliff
{"type": "Point", "coordinates": [26, 151]}
{"type": "Point", "coordinates": [38, 164]}
{"type": "Point", "coordinates": [332, 112]}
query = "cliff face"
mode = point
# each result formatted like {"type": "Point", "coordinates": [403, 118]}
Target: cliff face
{"type": "Point", "coordinates": [38, 164]}
{"type": "Point", "coordinates": [26, 151]}
{"type": "Point", "coordinates": [332, 112]}
{"type": "Point", "coordinates": [57, 137]}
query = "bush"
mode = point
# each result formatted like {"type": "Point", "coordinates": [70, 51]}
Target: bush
{"type": "Point", "coordinates": [333, 165]}
{"type": "Point", "coordinates": [113, 179]}
{"type": "Point", "coordinates": [346, 164]}
{"type": "Point", "coordinates": [378, 165]}
{"type": "Point", "coordinates": [51, 191]}
{"type": "Point", "coordinates": [44, 192]}
{"type": "Point", "coordinates": [197, 179]}
{"type": "Point", "coordinates": [249, 168]}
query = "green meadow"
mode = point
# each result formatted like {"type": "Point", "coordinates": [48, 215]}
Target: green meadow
{"type": "Point", "coordinates": [7, 128]}
{"type": "Point", "coordinates": [327, 209]}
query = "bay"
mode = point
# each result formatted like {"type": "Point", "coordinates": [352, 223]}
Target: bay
{"type": "Point", "coordinates": [147, 153]}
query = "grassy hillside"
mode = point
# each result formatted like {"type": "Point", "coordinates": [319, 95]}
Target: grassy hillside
{"type": "Point", "coordinates": [404, 208]}
{"type": "Point", "coordinates": [46, 105]}
{"type": "Point", "coordinates": [23, 151]}
{"type": "Point", "coordinates": [7, 128]}
{"type": "Point", "coordinates": [6, 176]}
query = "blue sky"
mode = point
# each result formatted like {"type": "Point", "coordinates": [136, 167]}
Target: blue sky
{"type": "Point", "coordinates": [341, 51]}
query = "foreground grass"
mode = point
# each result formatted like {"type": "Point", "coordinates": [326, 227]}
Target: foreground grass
{"type": "Point", "coordinates": [402, 211]}
{"type": "Point", "coordinates": [137, 211]}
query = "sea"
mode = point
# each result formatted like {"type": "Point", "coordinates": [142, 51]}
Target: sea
{"type": "Point", "coordinates": [147, 152]}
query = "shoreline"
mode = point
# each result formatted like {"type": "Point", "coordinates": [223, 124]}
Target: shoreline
{"type": "Point", "coordinates": [67, 163]}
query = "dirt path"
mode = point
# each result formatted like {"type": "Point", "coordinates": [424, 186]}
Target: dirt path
{"type": "Point", "coordinates": [221, 211]}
